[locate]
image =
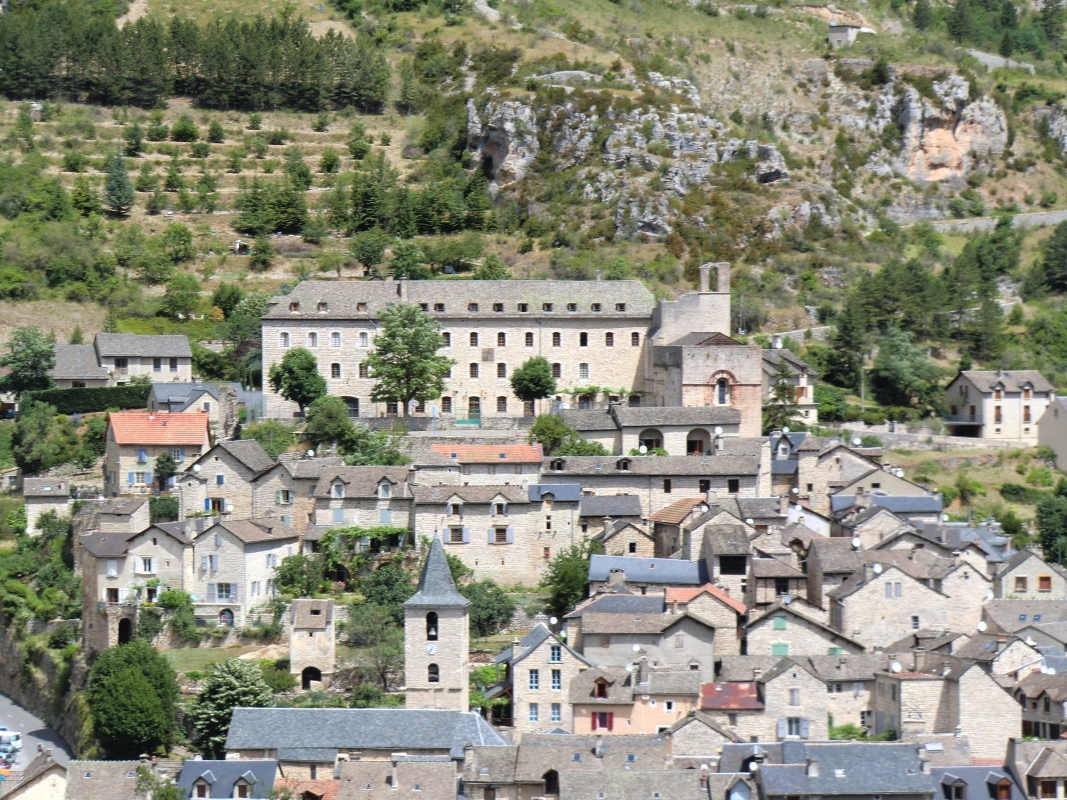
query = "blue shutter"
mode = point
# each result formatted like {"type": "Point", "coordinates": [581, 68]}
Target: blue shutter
{"type": "Point", "coordinates": [492, 509]}
{"type": "Point", "coordinates": [203, 563]}
{"type": "Point", "coordinates": [278, 497]}
{"type": "Point", "coordinates": [805, 727]}
{"type": "Point", "coordinates": [181, 454]}
{"type": "Point", "coordinates": [211, 599]}
{"type": "Point", "coordinates": [466, 535]}
{"type": "Point", "coordinates": [385, 516]}
{"type": "Point", "coordinates": [505, 509]}
{"type": "Point", "coordinates": [511, 535]}
{"type": "Point", "coordinates": [148, 478]}
{"type": "Point", "coordinates": [492, 531]}
{"type": "Point", "coordinates": [130, 477]}
{"type": "Point", "coordinates": [236, 591]}
{"type": "Point", "coordinates": [207, 504]}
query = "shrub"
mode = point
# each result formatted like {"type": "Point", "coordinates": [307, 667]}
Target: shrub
{"type": "Point", "coordinates": [85, 400]}
{"type": "Point", "coordinates": [184, 130]}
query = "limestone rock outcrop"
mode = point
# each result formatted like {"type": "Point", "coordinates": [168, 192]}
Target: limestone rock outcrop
{"type": "Point", "coordinates": [506, 138]}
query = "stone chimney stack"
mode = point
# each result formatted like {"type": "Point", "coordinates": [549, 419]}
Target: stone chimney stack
{"type": "Point", "coordinates": [783, 504]}
{"type": "Point", "coordinates": [723, 268]}
{"type": "Point", "coordinates": [920, 659]}
{"type": "Point", "coordinates": [705, 278]}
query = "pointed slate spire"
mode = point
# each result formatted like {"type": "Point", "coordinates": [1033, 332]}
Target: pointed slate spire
{"type": "Point", "coordinates": [436, 587]}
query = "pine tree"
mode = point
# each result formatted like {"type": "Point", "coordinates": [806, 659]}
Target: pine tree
{"type": "Point", "coordinates": [961, 21]}
{"type": "Point", "coordinates": [119, 195]}
{"type": "Point", "coordinates": [84, 197]}
{"type": "Point", "coordinates": [922, 15]}
{"type": "Point", "coordinates": [404, 224]}
{"type": "Point", "coordinates": [134, 138]}
{"type": "Point", "coordinates": [1052, 18]}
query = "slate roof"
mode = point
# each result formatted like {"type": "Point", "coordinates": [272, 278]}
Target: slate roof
{"type": "Point", "coordinates": [980, 780]}
{"type": "Point", "coordinates": [46, 487]}
{"type": "Point", "coordinates": [77, 362]}
{"type": "Point", "coordinates": [132, 344]}
{"type": "Point", "coordinates": [610, 505]}
{"type": "Point", "coordinates": [436, 585]}
{"type": "Point", "coordinates": [249, 453]}
{"type": "Point", "coordinates": [672, 681]}
{"type": "Point", "coordinates": [773, 568]}
{"type": "Point", "coordinates": [705, 339]}
{"type": "Point", "coordinates": [631, 623]}
{"type": "Point", "coordinates": [727, 540]}
{"type": "Point", "coordinates": [141, 427]}
{"type": "Point", "coordinates": [538, 751]}
{"type": "Point", "coordinates": [678, 784]}
{"type": "Point", "coordinates": [798, 531]}
{"type": "Point", "coordinates": [619, 682]}
{"type": "Point", "coordinates": [491, 453]}
{"type": "Point", "coordinates": [181, 394]}
{"type": "Point", "coordinates": [1011, 615]}
{"type": "Point", "coordinates": [1055, 630]}
{"type": "Point", "coordinates": [677, 511]}
{"type": "Point", "coordinates": [222, 776]}
{"type": "Point", "coordinates": [363, 481]}
{"type": "Point", "coordinates": [186, 530]}
{"type": "Point", "coordinates": [581, 419]}
{"type": "Point", "coordinates": [42, 763]}
{"type": "Point", "coordinates": [311, 468]}
{"type": "Point", "coordinates": [105, 545]}
{"type": "Point", "coordinates": [772, 357]}
{"type": "Point", "coordinates": [302, 613]}
{"type": "Point", "coordinates": [650, 570]}
{"type": "Point", "coordinates": [651, 416]}
{"type": "Point", "coordinates": [562, 492]}
{"type": "Point", "coordinates": [111, 506]}
{"type": "Point", "coordinates": [855, 667]}
{"type": "Point", "coordinates": [1012, 380]}
{"type": "Point", "coordinates": [490, 764]}
{"type": "Point", "coordinates": [393, 729]}
{"type": "Point", "coordinates": [538, 634]}
{"type": "Point", "coordinates": [897, 504]}
{"type": "Point", "coordinates": [707, 719]}
{"type": "Point", "coordinates": [987, 646]}
{"type": "Point", "coordinates": [109, 780]}
{"type": "Point", "coordinates": [428, 495]}
{"type": "Point", "coordinates": [620, 604]}
{"type": "Point", "coordinates": [1036, 684]}
{"type": "Point", "coordinates": [251, 531]}
{"type": "Point", "coordinates": [852, 768]}
{"type": "Point", "coordinates": [342, 299]}
{"type": "Point", "coordinates": [722, 463]}
{"type": "Point", "coordinates": [745, 668]}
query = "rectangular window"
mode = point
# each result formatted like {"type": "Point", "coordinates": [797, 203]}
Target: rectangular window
{"type": "Point", "coordinates": [896, 590]}
{"type": "Point", "coordinates": [498, 308]}
{"type": "Point", "coordinates": [555, 654]}
{"type": "Point", "coordinates": [779, 649]}
{"type": "Point", "coordinates": [313, 339]}
{"type": "Point", "coordinates": [779, 622]}
{"type": "Point", "coordinates": [283, 340]}
{"type": "Point", "coordinates": [364, 371]}
{"type": "Point", "coordinates": [534, 715]}
{"type": "Point", "coordinates": [793, 726]}
{"type": "Point", "coordinates": [335, 371]}
{"type": "Point", "coordinates": [446, 405]}
{"type": "Point", "coordinates": [112, 568]}
{"type": "Point", "coordinates": [583, 372]}
{"type": "Point", "coordinates": [535, 679]}
{"type": "Point", "coordinates": [220, 480]}
{"type": "Point", "coordinates": [157, 365]}
{"type": "Point", "coordinates": [557, 371]}
{"type": "Point", "coordinates": [915, 623]}
{"type": "Point", "coordinates": [500, 535]}
{"type": "Point", "coordinates": [474, 340]}
{"type": "Point", "coordinates": [733, 485]}
{"type": "Point", "coordinates": [223, 591]}
{"type": "Point", "coordinates": [1026, 413]}
{"type": "Point", "coordinates": [583, 339]}
{"type": "Point", "coordinates": [679, 640]}
{"type": "Point", "coordinates": [1048, 789]}
{"type": "Point", "coordinates": [704, 485]}
{"type": "Point", "coordinates": [501, 339]}
{"type": "Point", "coordinates": [364, 339]}
{"type": "Point", "coordinates": [139, 477]}
{"type": "Point", "coordinates": [338, 515]}
{"type": "Point", "coordinates": [557, 679]}
{"type": "Point", "coordinates": [455, 535]}
{"type": "Point", "coordinates": [474, 370]}
{"type": "Point", "coordinates": [529, 339]}
{"type": "Point", "coordinates": [557, 714]}
{"type": "Point", "coordinates": [794, 697]}
{"type": "Point", "coordinates": [1044, 583]}
{"type": "Point", "coordinates": [557, 339]}
{"type": "Point", "coordinates": [666, 485]}
{"type": "Point", "coordinates": [142, 455]}
{"type": "Point", "coordinates": [335, 339]}
{"type": "Point", "coordinates": [501, 370]}
{"type": "Point", "coordinates": [609, 340]}
{"type": "Point", "coordinates": [997, 418]}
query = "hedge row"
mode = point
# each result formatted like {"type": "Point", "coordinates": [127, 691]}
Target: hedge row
{"type": "Point", "coordinates": [84, 400]}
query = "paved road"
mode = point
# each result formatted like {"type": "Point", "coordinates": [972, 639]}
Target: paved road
{"type": "Point", "coordinates": [1030, 219]}
{"type": "Point", "coordinates": [34, 731]}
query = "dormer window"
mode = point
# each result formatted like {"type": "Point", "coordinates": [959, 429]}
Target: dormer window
{"type": "Point", "coordinates": [600, 688]}
{"type": "Point", "coordinates": [498, 308]}
{"type": "Point", "coordinates": [500, 509]}
{"type": "Point", "coordinates": [557, 465]}
{"type": "Point", "coordinates": [240, 789]}
{"type": "Point", "coordinates": [202, 789]}
{"type": "Point", "coordinates": [454, 509]}
{"type": "Point", "coordinates": [524, 307]}
{"type": "Point", "coordinates": [361, 307]}
{"type": "Point", "coordinates": [323, 307]}
{"type": "Point", "coordinates": [337, 490]}
{"type": "Point", "coordinates": [439, 308]}
{"type": "Point", "coordinates": [595, 307]}
{"type": "Point", "coordinates": [623, 465]}
{"type": "Point", "coordinates": [385, 490]}
{"type": "Point", "coordinates": [294, 307]}
{"type": "Point", "coordinates": [997, 393]}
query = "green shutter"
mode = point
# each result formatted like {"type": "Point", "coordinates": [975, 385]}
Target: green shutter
{"type": "Point", "coordinates": [835, 651]}
{"type": "Point", "coordinates": [779, 622]}
{"type": "Point", "coordinates": [780, 649]}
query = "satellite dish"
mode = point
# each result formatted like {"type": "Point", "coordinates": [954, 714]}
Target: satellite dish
{"type": "Point", "coordinates": [552, 620]}
{"type": "Point", "coordinates": [795, 490]}
{"type": "Point", "coordinates": [785, 429]}
{"type": "Point", "coordinates": [749, 520]}
{"type": "Point", "coordinates": [564, 406]}
{"type": "Point", "coordinates": [637, 648]}
{"type": "Point", "coordinates": [311, 454]}
{"type": "Point", "coordinates": [982, 625]}
{"type": "Point", "coordinates": [856, 542]}
{"type": "Point", "coordinates": [196, 467]}
{"type": "Point", "coordinates": [787, 600]}
{"type": "Point", "coordinates": [944, 517]}
{"type": "Point", "coordinates": [642, 449]}
{"type": "Point", "coordinates": [895, 666]}
{"type": "Point", "coordinates": [856, 441]}
{"type": "Point", "coordinates": [629, 667]}
{"type": "Point", "coordinates": [718, 430]}
{"type": "Point", "coordinates": [1044, 670]}
{"type": "Point", "coordinates": [877, 569]}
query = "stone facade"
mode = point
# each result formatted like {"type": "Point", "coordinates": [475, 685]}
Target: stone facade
{"type": "Point", "coordinates": [129, 455]}
{"type": "Point", "coordinates": [997, 405]}
{"type": "Point", "coordinates": [687, 642]}
{"type": "Point", "coordinates": [628, 539]}
{"type": "Point", "coordinates": [41, 495]}
{"type": "Point", "coordinates": [878, 608]}
{"type": "Point", "coordinates": [1027, 577]}
{"type": "Point", "coordinates": [218, 483]}
{"type": "Point", "coordinates": [782, 631]}
{"type": "Point", "coordinates": [312, 642]}
{"type": "Point", "coordinates": [540, 679]}
{"type": "Point", "coordinates": [694, 738]}
{"type": "Point", "coordinates": [822, 473]}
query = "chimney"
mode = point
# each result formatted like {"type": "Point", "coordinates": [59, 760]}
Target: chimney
{"type": "Point", "coordinates": [776, 342]}
{"type": "Point", "coordinates": [920, 659]}
{"type": "Point", "coordinates": [395, 784]}
{"type": "Point", "coordinates": [959, 732]}
{"type": "Point", "coordinates": [813, 768]}
{"type": "Point", "coordinates": [718, 443]}
{"type": "Point", "coordinates": [723, 268]}
{"type": "Point", "coordinates": [642, 670]}
{"type": "Point", "coordinates": [705, 278]}
{"type": "Point", "coordinates": [617, 577]}
{"type": "Point", "coordinates": [783, 504]}
{"type": "Point", "coordinates": [607, 525]}
{"type": "Point", "coordinates": [863, 500]}
{"type": "Point", "coordinates": [598, 748]}
{"type": "Point", "coordinates": [704, 776]}
{"type": "Point", "coordinates": [757, 673]}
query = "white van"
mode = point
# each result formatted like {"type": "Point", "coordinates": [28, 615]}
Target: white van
{"type": "Point", "coordinates": [11, 738]}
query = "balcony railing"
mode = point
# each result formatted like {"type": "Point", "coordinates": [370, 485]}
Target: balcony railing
{"type": "Point", "coordinates": [962, 418]}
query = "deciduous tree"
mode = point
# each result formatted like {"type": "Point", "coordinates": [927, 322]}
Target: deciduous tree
{"type": "Point", "coordinates": [404, 362]}
{"type": "Point", "coordinates": [32, 355]}
{"type": "Point", "coordinates": [296, 378]}
{"type": "Point", "coordinates": [231, 684]}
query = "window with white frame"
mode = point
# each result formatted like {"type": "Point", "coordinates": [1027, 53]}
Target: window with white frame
{"type": "Point", "coordinates": [335, 339]}
{"type": "Point", "coordinates": [583, 371]}
{"type": "Point", "coordinates": [535, 679]}
{"type": "Point", "coordinates": [364, 339]}
{"type": "Point", "coordinates": [283, 339]}
{"type": "Point", "coordinates": [224, 591]}
{"type": "Point", "coordinates": [313, 339]}
{"type": "Point", "coordinates": [385, 490]}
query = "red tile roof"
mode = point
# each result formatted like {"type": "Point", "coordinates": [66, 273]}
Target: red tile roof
{"type": "Point", "coordinates": [141, 427]}
{"type": "Point", "coordinates": [686, 594]}
{"type": "Point", "coordinates": [491, 453]}
{"type": "Point", "coordinates": [677, 511]}
{"type": "Point", "coordinates": [739, 695]}
{"type": "Point", "coordinates": [327, 789]}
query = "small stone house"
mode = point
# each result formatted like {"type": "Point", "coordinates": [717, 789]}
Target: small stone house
{"type": "Point", "coordinates": [781, 630]}
{"type": "Point", "coordinates": [127, 355]}
{"type": "Point", "coordinates": [537, 673]}
{"type": "Point", "coordinates": [715, 606]}
{"type": "Point", "coordinates": [842, 35]}
{"type": "Point", "coordinates": [312, 642]}
{"type": "Point", "coordinates": [42, 495]}
{"type": "Point", "coordinates": [219, 483]}
{"type": "Point", "coordinates": [1042, 698]}
{"type": "Point", "coordinates": [594, 509]}
{"type": "Point", "coordinates": [624, 538]}
{"type": "Point", "coordinates": [634, 700]}
{"type": "Point", "coordinates": [830, 563]}
{"type": "Point", "coordinates": [136, 438]}
{"type": "Point", "coordinates": [364, 497]}
{"type": "Point", "coordinates": [676, 640]}
{"type": "Point", "coordinates": [490, 464]}
{"type": "Point", "coordinates": [42, 779]}
{"type": "Point", "coordinates": [1026, 576]}
{"type": "Point", "coordinates": [773, 580]}
{"type": "Point", "coordinates": [233, 563]}
{"type": "Point", "coordinates": [218, 400]}
{"type": "Point", "coordinates": [870, 524]}
{"type": "Point", "coordinates": [698, 737]}
{"type": "Point", "coordinates": [850, 685]}
{"type": "Point", "coordinates": [669, 522]}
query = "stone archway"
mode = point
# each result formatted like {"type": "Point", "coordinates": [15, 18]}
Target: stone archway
{"type": "Point", "coordinates": [697, 442]}
{"type": "Point", "coordinates": [310, 675]}
{"type": "Point", "coordinates": [125, 630]}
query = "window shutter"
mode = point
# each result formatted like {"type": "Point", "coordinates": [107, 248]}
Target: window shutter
{"type": "Point", "coordinates": [211, 599]}
{"type": "Point", "coordinates": [491, 535]}
{"type": "Point", "coordinates": [130, 477]}
{"type": "Point", "coordinates": [155, 564]}
{"type": "Point", "coordinates": [466, 536]}
{"type": "Point", "coordinates": [505, 509]}
{"type": "Point", "coordinates": [805, 727]}
{"type": "Point", "coordinates": [207, 504]}
{"type": "Point", "coordinates": [148, 478]}
{"type": "Point", "coordinates": [511, 535]}
{"type": "Point", "coordinates": [278, 497]}
{"type": "Point", "coordinates": [492, 509]}
{"type": "Point", "coordinates": [781, 727]}
{"type": "Point", "coordinates": [385, 516]}
{"type": "Point", "coordinates": [181, 454]}
{"type": "Point", "coordinates": [203, 563]}
{"type": "Point", "coordinates": [611, 720]}
{"type": "Point", "coordinates": [214, 562]}
{"type": "Point", "coordinates": [237, 590]}
{"type": "Point", "coordinates": [594, 721]}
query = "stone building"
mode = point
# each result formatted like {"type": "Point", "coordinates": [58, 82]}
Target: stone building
{"type": "Point", "coordinates": [632, 700]}
{"type": "Point", "coordinates": [113, 358]}
{"type": "Point", "coordinates": [594, 509]}
{"type": "Point", "coordinates": [220, 482]}
{"type": "Point", "coordinates": [364, 497]}
{"type": "Point", "coordinates": [312, 642]}
{"type": "Point", "coordinates": [437, 638]}
{"type": "Point", "coordinates": [77, 366]}
{"type": "Point", "coordinates": [644, 575]}
{"type": "Point", "coordinates": [997, 404]}
{"type": "Point", "coordinates": [698, 738]}
{"type": "Point", "coordinates": [850, 685]}
{"type": "Point", "coordinates": [782, 364]}
{"type": "Point", "coordinates": [678, 431]}
{"type": "Point", "coordinates": [286, 492]}
{"type": "Point", "coordinates": [491, 464]}
{"type": "Point", "coordinates": [504, 532]}
{"type": "Point", "coordinates": [537, 673]}
{"type": "Point", "coordinates": [1026, 576]}
{"type": "Point", "coordinates": [781, 630]}
{"type": "Point", "coordinates": [623, 538]}
{"type": "Point", "coordinates": [1042, 697]}
{"type": "Point", "coordinates": [1052, 430]}
{"type": "Point", "coordinates": [682, 640]}
{"type": "Point", "coordinates": [220, 401]}
{"type": "Point", "coordinates": [41, 495]}
{"type": "Point", "coordinates": [136, 438]}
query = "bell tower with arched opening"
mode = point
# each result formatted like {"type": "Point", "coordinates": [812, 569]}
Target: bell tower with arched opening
{"type": "Point", "coordinates": [437, 638]}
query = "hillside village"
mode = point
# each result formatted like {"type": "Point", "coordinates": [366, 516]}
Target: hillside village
{"type": "Point", "coordinates": [783, 613]}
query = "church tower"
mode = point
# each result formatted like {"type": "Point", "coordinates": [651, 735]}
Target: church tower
{"type": "Point", "coordinates": [437, 638]}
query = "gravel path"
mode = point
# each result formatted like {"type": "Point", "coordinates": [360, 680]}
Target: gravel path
{"type": "Point", "coordinates": [1034, 219]}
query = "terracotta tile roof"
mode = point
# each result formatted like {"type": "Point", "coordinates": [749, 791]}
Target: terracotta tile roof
{"type": "Point", "coordinates": [740, 695]}
{"type": "Point", "coordinates": [677, 511]}
{"type": "Point", "coordinates": [314, 790]}
{"type": "Point", "coordinates": [491, 453]}
{"type": "Point", "coordinates": [686, 594]}
{"type": "Point", "coordinates": [140, 427]}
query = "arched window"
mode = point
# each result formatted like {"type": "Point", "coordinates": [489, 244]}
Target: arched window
{"type": "Point", "coordinates": [434, 674]}
{"type": "Point", "coordinates": [724, 391]}
{"type": "Point", "coordinates": [431, 626]}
